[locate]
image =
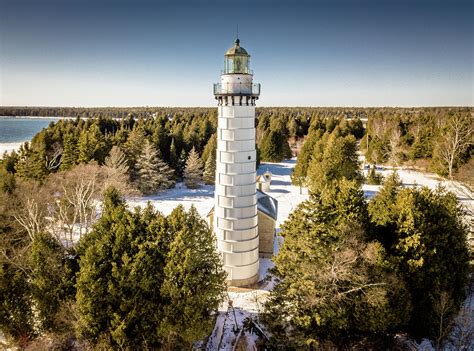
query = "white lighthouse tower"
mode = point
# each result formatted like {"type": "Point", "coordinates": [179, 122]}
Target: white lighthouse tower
{"type": "Point", "coordinates": [235, 211]}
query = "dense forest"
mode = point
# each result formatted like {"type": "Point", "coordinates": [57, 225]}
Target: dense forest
{"type": "Point", "coordinates": [419, 137]}
{"type": "Point", "coordinates": [81, 270]}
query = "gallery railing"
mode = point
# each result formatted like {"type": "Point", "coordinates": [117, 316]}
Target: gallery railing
{"type": "Point", "coordinates": [237, 89]}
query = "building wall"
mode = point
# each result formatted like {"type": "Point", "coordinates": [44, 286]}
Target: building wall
{"type": "Point", "coordinates": [266, 233]}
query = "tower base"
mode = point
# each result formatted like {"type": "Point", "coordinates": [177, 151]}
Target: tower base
{"type": "Point", "coordinates": [240, 283]}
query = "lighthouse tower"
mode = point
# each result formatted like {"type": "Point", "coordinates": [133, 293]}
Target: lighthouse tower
{"type": "Point", "coordinates": [235, 210]}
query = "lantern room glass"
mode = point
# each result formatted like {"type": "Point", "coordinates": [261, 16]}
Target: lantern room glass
{"type": "Point", "coordinates": [236, 64]}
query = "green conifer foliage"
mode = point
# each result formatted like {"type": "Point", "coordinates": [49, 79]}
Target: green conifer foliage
{"type": "Point", "coordinates": [193, 170]}
{"type": "Point", "coordinates": [147, 281]}
{"type": "Point", "coordinates": [194, 283]}
{"type": "Point", "coordinates": [209, 174]}
{"type": "Point", "coordinates": [210, 148]}
{"type": "Point", "coordinates": [153, 173]}
{"type": "Point", "coordinates": [181, 163]}
{"type": "Point", "coordinates": [85, 147]}
{"type": "Point", "coordinates": [333, 287]}
{"type": "Point", "coordinates": [173, 155]}
{"type": "Point", "coordinates": [304, 157]}
{"type": "Point", "coordinates": [118, 161]}
{"type": "Point", "coordinates": [70, 153]}
{"type": "Point", "coordinates": [273, 148]}
{"type": "Point", "coordinates": [425, 237]}
{"type": "Point", "coordinates": [339, 161]}
{"type": "Point", "coordinates": [52, 280]}
{"type": "Point", "coordinates": [133, 148]}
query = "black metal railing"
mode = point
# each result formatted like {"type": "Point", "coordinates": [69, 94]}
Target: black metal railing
{"type": "Point", "coordinates": [231, 71]}
{"type": "Point", "coordinates": [237, 89]}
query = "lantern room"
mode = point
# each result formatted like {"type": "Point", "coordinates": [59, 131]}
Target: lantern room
{"type": "Point", "coordinates": [236, 60]}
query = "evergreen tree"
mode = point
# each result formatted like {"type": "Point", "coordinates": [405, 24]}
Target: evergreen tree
{"type": "Point", "coordinates": [209, 175]}
{"type": "Point", "coordinates": [194, 283]}
{"type": "Point", "coordinates": [425, 238]}
{"type": "Point", "coordinates": [193, 170]}
{"type": "Point", "coordinates": [117, 160]}
{"type": "Point", "coordinates": [135, 263]}
{"type": "Point", "coordinates": [339, 161]}
{"type": "Point", "coordinates": [173, 156]}
{"type": "Point", "coordinates": [270, 147]}
{"type": "Point", "coordinates": [133, 148]}
{"type": "Point", "coordinates": [121, 270]}
{"type": "Point", "coordinates": [181, 164]}
{"type": "Point", "coordinates": [17, 318]}
{"type": "Point", "coordinates": [98, 142]}
{"type": "Point", "coordinates": [333, 287]}
{"type": "Point", "coordinates": [7, 181]}
{"type": "Point", "coordinates": [85, 148]}
{"type": "Point", "coordinates": [300, 171]}
{"type": "Point", "coordinates": [69, 156]}
{"type": "Point", "coordinates": [53, 273]}
{"type": "Point", "coordinates": [210, 148]}
{"type": "Point", "coordinates": [153, 173]}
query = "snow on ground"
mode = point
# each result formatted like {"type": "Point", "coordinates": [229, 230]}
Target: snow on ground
{"type": "Point", "coordinates": [412, 178]}
{"type": "Point", "coordinates": [9, 147]}
{"type": "Point", "coordinates": [165, 202]}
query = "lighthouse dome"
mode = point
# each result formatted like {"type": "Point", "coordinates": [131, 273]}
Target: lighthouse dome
{"type": "Point", "coordinates": [237, 50]}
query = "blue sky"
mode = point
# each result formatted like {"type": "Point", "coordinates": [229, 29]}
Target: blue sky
{"type": "Point", "coordinates": [304, 53]}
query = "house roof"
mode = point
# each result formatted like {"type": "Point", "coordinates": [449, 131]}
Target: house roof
{"type": "Point", "coordinates": [267, 204]}
{"type": "Point", "coordinates": [262, 179]}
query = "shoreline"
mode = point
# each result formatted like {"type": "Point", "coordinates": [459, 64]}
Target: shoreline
{"type": "Point", "coordinates": [36, 117]}
{"type": "Point", "coordinates": [10, 146]}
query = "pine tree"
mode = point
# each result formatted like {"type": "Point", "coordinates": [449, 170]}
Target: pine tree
{"type": "Point", "coordinates": [117, 160]}
{"type": "Point", "coordinates": [153, 173]}
{"type": "Point", "coordinates": [270, 147]}
{"type": "Point", "coordinates": [209, 175]}
{"type": "Point", "coordinates": [193, 170]}
{"type": "Point", "coordinates": [210, 148]}
{"type": "Point", "coordinates": [339, 161]}
{"type": "Point", "coordinates": [52, 280]}
{"type": "Point", "coordinates": [194, 283]}
{"type": "Point", "coordinates": [300, 171]}
{"type": "Point", "coordinates": [274, 146]}
{"type": "Point", "coordinates": [333, 283]}
{"type": "Point", "coordinates": [181, 164]}
{"type": "Point", "coordinates": [173, 156]}
{"type": "Point", "coordinates": [133, 148]}
{"type": "Point", "coordinates": [85, 148]}
{"type": "Point", "coordinates": [121, 271]}
{"type": "Point", "coordinates": [425, 239]}
{"type": "Point", "coordinates": [69, 156]}
{"type": "Point", "coordinates": [147, 281]}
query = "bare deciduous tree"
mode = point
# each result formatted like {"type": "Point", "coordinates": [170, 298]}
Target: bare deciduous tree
{"type": "Point", "coordinates": [77, 193]}
{"type": "Point", "coordinates": [458, 137]}
{"type": "Point", "coordinates": [32, 213]}
{"type": "Point", "coordinates": [394, 145]}
{"type": "Point", "coordinates": [53, 160]}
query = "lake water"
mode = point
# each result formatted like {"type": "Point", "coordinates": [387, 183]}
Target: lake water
{"type": "Point", "coordinates": [16, 130]}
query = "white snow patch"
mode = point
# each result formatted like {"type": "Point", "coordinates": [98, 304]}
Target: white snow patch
{"type": "Point", "coordinates": [9, 147]}
{"type": "Point", "coordinates": [166, 201]}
